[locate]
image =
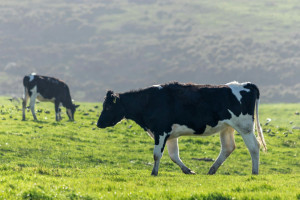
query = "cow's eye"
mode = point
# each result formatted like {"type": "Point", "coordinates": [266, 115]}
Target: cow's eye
{"type": "Point", "coordinates": [107, 107]}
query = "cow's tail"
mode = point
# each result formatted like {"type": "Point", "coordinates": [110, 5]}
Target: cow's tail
{"type": "Point", "coordinates": [260, 138]}
{"type": "Point", "coordinates": [25, 81]}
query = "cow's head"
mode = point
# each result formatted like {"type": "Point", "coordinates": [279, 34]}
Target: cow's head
{"type": "Point", "coordinates": [71, 111]}
{"type": "Point", "coordinates": [112, 112]}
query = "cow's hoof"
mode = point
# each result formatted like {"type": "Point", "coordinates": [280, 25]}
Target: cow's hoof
{"type": "Point", "coordinates": [154, 173]}
{"type": "Point", "coordinates": [188, 171]}
{"type": "Point", "coordinates": [191, 172]}
{"type": "Point", "coordinates": [212, 171]}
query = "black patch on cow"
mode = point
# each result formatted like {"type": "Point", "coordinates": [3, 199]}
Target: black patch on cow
{"type": "Point", "coordinates": [249, 98]}
{"type": "Point", "coordinates": [163, 147]}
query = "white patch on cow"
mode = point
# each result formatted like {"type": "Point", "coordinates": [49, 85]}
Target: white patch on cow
{"type": "Point", "coordinates": [236, 89]}
{"type": "Point", "coordinates": [31, 76]}
{"type": "Point", "coordinates": [213, 130]}
{"type": "Point", "coordinates": [43, 99]}
{"type": "Point", "coordinates": [183, 130]}
{"type": "Point", "coordinates": [158, 86]}
{"type": "Point", "coordinates": [158, 152]}
{"type": "Point", "coordinates": [241, 123]}
{"type": "Point", "coordinates": [180, 130]}
{"type": "Point", "coordinates": [158, 148]}
{"type": "Point", "coordinates": [34, 91]}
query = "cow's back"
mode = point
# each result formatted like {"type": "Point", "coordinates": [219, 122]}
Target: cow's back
{"type": "Point", "coordinates": [50, 87]}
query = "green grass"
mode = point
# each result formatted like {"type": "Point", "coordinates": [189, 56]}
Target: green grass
{"type": "Point", "coordinates": [76, 160]}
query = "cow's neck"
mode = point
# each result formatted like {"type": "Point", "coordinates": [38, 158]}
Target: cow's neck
{"type": "Point", "coordinates": [133, 106]}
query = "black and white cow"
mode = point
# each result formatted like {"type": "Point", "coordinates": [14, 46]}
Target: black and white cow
{"type": "Point", "coordinates": [50, 89]}
{"type": "Point", "coordinates": [172, 110]}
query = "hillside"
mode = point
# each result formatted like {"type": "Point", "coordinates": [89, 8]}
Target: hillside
{"type": "Point", "coordinates": [121, 45]}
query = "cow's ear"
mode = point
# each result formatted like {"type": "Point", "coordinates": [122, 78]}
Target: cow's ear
{"type": "Point", "coordinates": [109, 93]}
{"type": "Point", "coordinates": [76, 106]}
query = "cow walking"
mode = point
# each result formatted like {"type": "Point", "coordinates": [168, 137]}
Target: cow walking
{"type": "Point", "coordinates": [48, 89]}
{"type": "Point", "coordinates": [172, 110]}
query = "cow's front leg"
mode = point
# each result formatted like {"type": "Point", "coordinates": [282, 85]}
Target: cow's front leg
{"type": "Point", "coordinates": [173, 150]}
{"type": "Point", "coordinates": [57, 111]}
{"type": "Point", "coordinates": [160, 142]}
{"type": "Point", "coordinates": [228, 146]}
{"type": "Point", "coordinates": [24, 103]}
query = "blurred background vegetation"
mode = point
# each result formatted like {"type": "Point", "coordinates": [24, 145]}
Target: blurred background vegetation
{"type": "Point", "coordinates": [128, 44]}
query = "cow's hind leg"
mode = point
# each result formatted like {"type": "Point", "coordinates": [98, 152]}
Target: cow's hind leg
{"type": "Point", "coordinates": [253, 147]}
{"type": "Point", "coordinates": [32, 103]}
{"type": "Point", "coordinates": [173, 150]}
{"type": "Point", "coordinates": [227, 147]}
{"type": "Point", "coordinates": [160, 141]}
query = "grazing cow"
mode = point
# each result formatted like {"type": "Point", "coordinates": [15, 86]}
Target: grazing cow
{"type": "Point", "coordinates": [50, 89]}
{"type": "Point", "coordinates": [172, 110]}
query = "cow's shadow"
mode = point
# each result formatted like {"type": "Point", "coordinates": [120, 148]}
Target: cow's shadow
{"type": "Point", "coordinates": [36, 121]}
{"type": "Point", "coordinates": [49, 122]}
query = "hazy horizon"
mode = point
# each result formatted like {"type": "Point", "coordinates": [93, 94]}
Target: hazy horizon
{"type": "Point", "coordinates": [95, 46]}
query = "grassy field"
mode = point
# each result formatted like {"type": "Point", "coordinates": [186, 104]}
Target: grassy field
{"type": "Point", "coordinates": [76, 160]}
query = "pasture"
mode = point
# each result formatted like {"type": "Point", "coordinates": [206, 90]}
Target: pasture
{"type": "Point", "coordinates": [46, 159]}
